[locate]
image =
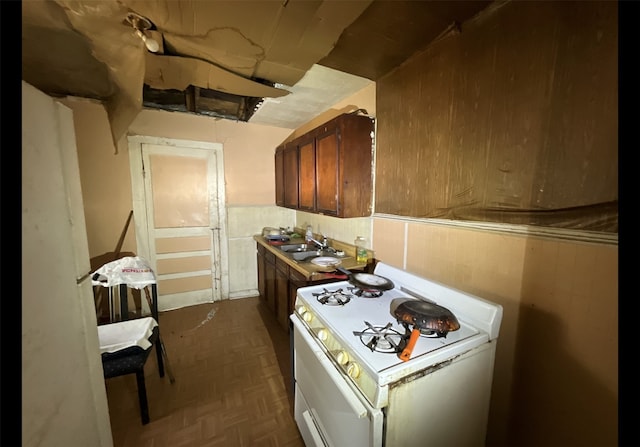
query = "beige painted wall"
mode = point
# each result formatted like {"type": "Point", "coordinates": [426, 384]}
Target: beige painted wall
{"type": "Point", "coordinates": [557, 355]}
{"type": "Point", "coordinates": [105, 178]}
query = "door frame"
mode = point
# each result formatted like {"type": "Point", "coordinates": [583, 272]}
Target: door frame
{"type": "Point", "coordinates": [217, 217]}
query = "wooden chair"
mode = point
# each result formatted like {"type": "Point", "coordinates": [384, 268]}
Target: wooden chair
{"type": "Point", "coordinates": [125, 345]}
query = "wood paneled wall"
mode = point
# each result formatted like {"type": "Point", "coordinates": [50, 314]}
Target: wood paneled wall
{"type": "Point", "coordinates": [512, 117]}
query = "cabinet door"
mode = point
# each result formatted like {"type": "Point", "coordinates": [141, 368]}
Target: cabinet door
{"type": "Point", "coordinates": [355, 179]}
{"type": "Point", "coordinates": [261, 273]}
{"type": "Point", "coordinates": [270, 281]}
{"type": "Point", "coordinates": [290, 164]}
{"type": "Point", "coordinates": [327, 175]}
{"type": "Point", "coordinates": [282, 294]}
{"type": "Point", "coordinates": [307, 157]}
{"type": "Point", "coordinates": [279, 160]}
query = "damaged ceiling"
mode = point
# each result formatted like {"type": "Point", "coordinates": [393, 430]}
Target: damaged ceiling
{"type": "Point", "coordinates": [279, 63]}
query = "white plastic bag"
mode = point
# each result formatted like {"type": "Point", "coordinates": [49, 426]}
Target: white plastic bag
{"type": "Point", "coordinates": [133, 271]}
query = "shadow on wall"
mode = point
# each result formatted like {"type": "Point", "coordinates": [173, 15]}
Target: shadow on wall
{"type": "Point", "coordinates": [556, 401]}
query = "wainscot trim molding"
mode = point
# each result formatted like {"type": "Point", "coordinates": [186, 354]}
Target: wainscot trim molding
{"type": "Point", "coordinates": [593, 237]}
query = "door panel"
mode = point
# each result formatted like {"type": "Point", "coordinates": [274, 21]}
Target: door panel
{"type": "Point", "coordinates": [279, 167]}
{"type": "Point", "coordinates": [182, 231]}
{"type": "Point", "coordinates": [185, 243]}
{"type": "Point", "coordinates": [327, 175]}
{"type": "Point", "coordinates": [307, 176]}
{"type": "Point", "coordinates": [179, 198]}
{"type": "Point", "coordinates": [183, 264]}
{"type": "Point", "coordinates": [290, 163]}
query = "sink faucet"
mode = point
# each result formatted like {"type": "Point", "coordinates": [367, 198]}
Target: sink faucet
{"type": "Point", "coordinates": [318, 243]}
{"type": "Point", "coordinates": [324, 245]}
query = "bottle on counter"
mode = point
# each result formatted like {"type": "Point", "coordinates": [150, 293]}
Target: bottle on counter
{"type": "Point", "coordinates": [361, 250]}
{"type": "Point", "coordinates": [309, 234]}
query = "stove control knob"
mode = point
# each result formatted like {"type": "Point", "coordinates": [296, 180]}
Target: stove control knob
{"type": "Point", "coordinates": [353, 370]}
{"type": "Point", "coordinates": [342, 357]}
{"type": "Point", "coordinates": [323, 334]}
{"type": "Point", "coordinates": [307, 316]}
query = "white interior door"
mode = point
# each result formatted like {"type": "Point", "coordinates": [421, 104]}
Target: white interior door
{"type": "Point", "coordinates": [179, 214]}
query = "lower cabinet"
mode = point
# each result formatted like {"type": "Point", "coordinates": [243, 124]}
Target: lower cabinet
{"type": "Point", "coordinates": [282, 294]}
{"type": "Point", "coordinates": [262, 280]}
{"type": "Point", "coordinates": [278, 284]}
{"type": "Point", "coordinates": [267, 277]}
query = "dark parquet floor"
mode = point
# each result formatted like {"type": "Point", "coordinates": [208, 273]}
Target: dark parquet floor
{"type": "Point", "coordinates": [232, 370]}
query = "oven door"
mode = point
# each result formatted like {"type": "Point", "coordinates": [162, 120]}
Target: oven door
{"type": "Point", "coordinates": [328, 410]}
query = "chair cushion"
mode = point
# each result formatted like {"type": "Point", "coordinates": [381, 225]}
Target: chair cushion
{"type": "Point", "coordinates": [127, 360]}
{"type": "Point", "coordinates": [123, 334]}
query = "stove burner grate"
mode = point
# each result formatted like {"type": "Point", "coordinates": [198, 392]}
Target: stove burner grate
{"type": "Point", "coordinates": [424, 332]}
{"type": "Point", "coordinates": [383, 339]}
{"type": "Point", "coordinates": [332, 297]}
{"type": "Point", "coordinates": [365, 293]}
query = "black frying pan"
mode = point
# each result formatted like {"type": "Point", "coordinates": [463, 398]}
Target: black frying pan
{"type": "Point", "coordinates": [367, 281]}
{"type": "Point", "coordinates": [423, 316]}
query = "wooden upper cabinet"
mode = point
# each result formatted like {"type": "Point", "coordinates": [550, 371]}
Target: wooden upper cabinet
{"type": "Point", "coordinates": [334, 171]}
{"type": "Point", "coordinates": [290, 174]}
{"type": "Point", "coordinates": [307, 173]}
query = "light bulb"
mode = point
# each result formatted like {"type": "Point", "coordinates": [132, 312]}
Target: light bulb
{"type": "Point", "coordinates": [151, 44]}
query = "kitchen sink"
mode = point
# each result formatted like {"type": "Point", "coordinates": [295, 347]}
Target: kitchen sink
{"type": "Point", "coordinates": [300, 252]}
{"type": "Point", "coordinates": [304, 252]}
{"type": "Point", "coordinates": [305, 255]}
{"type": "Point", "coordinates": [293, 248]}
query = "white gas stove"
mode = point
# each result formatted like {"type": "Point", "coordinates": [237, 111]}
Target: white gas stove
{"type": "Point", "coordinates": [353, 333]}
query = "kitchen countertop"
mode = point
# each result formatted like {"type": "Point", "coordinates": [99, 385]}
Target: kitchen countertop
{"type": "Point", "coordinates": [309, 270]}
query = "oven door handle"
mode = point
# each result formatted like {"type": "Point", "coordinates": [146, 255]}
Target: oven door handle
{"type": "Point", "coordinates": [349, 394]}
{"type": "Point", "coordinates": [313, 430]}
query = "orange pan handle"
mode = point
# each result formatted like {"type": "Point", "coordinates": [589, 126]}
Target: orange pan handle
{"type": "Point", "coordinates": [406, 352]}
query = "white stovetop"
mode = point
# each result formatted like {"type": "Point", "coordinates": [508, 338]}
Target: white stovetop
{"type": "Point", "coordinates": [479, 321]}
{"type": "Point", "coordinates": [342, 321]}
